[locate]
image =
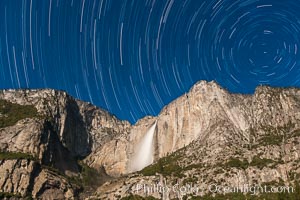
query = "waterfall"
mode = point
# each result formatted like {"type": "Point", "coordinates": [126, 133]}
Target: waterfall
{"type": "Point", "coordinates": [143, 155]}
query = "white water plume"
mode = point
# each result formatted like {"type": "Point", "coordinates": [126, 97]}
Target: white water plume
{"type": "Point", "coordinates": [143, 155]}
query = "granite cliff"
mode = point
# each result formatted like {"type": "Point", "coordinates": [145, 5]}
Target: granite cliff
{"type": "Point", "coordinates": [44, 134]}
{"type": "Point", "coordinates": [56, 147]}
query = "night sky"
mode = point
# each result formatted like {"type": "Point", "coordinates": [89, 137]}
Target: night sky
{"type": "Point", "coordinates": [132, 57]}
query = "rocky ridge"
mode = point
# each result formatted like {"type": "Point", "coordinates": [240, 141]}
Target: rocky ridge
{"type": "Point", "coordinates": [61, 133]}
{"type": "Point", "coordinates": [223, 139]}
{"type": "Point", "coordinates": [206, 136]}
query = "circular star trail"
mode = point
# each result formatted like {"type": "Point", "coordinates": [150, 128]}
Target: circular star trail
{"type": "Point", "coordinates": [134, 57]}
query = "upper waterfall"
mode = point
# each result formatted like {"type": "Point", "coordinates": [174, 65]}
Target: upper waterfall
{"type": "Point", "coordinates": [143, 154]}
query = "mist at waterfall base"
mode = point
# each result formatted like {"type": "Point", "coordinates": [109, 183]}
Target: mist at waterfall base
{"type": "Point", "coordinates": [143, 154]}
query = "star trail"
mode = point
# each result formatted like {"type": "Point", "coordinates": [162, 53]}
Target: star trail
{"type": "Point", "coordinates": [133, 57]}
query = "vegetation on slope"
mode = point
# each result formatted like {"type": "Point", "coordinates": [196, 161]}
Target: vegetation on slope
{"type": "Point", "coordinates": [4, 195]}
{"type": "Point", "coordinates": [166, 166]}
{"type": "Point", "coordinates": [11, 113]}
{"type": "Point", "coordinates": [244, 164]}
{"type": "Point", "coordinates": [87, 181]}
{"type": "Point", "coordinates": [15, 156]}
{"type": "Point", "coordinates": [90, 177]}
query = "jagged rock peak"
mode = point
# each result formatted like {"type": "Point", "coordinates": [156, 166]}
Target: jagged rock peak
{"type": "Point", "coordinates": [209, 87]}
{"type": "Point", "coordinates": [204, 83]}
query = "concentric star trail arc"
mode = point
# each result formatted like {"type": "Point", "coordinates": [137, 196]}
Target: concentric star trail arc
{"type": "Point", "coordinates": [134, 57]}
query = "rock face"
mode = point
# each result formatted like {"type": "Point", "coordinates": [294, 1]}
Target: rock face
{"type": "Point", "coordinates": [220, 138]}
{"type": "Point", "coordinates": [209, 112]}
{"type": "Point", "coordinates": [16, 175]}
{"type": "Point", "coordinates": [207, 135]}
{"type": "Point", "coordinates": [63, 131]}
{"type": "Point", "coordinates": [23, 177]}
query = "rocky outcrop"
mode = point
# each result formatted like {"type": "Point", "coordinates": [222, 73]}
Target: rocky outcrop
{"type": "Point", "coordinates": [25, 178]}
{"type": "Point", "coordinates": [63, 131]}
{"type": "Point", "coordinates": [48, 185]}
{"type": "Point", "coordinates": [206, 132]}
{"type": "Point", "coordinates": [220, 138]}
{"type": "Point", "coordinates": [206, 112]}
{"type": "Point", "coordinates": [16, 176]}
